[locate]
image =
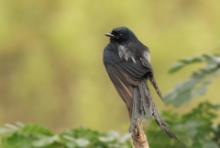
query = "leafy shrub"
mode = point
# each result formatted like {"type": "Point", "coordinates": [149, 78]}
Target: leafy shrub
{"type": "Point", "coordinates": [36, 136]}
{"type": "Point", "coordinates": [195, 129]}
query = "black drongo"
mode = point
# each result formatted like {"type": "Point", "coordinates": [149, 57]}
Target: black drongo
{"type": "Point", "coordinates": [127, 62]}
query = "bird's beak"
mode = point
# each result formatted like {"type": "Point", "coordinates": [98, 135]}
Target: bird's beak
{"type": "Point", "coordinates": [109, 35]}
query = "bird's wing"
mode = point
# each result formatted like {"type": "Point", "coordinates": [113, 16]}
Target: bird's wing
{"type": "Point", "coordinates": [125, 75]}
{"type": "Point", "coordinates": [135, 70]}
{"type": "Point", "coordinates": [126, 62]}
{"type": "Point", "coordinates": [121, 84]}
{"type": "Point", "coordinates": [138, 66]}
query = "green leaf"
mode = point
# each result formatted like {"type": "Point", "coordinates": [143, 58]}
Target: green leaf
{"type": "Point", "coordinates": [197, 84]}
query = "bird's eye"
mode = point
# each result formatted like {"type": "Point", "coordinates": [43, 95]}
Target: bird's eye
{"type": "Point", "coordinates": [114, 32]}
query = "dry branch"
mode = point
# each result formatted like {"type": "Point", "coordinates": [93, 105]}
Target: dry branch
{"type": "Point", "coordinates": [138, 136]}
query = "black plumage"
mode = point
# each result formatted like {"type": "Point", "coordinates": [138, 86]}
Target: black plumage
{"type": "Point", "coordinates": [127, 62]}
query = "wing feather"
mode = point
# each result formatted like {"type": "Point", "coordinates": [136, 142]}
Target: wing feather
{"type": "Point", "coordinates": [124, 89]}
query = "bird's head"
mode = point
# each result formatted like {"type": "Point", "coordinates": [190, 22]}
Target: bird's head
{"type": "Point", "coordinates": [121, 35]}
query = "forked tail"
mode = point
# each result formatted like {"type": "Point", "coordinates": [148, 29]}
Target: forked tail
{"type": "Point", "coordinates": [143, 106]}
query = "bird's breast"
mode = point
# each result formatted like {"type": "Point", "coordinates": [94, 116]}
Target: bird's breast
{"type": "Point", "coordinates": [110, 56]}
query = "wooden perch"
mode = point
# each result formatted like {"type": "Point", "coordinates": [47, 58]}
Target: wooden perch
{"type": "Point", "coordinates": [138, 136]}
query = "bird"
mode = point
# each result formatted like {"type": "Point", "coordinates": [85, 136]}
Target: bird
{"type": "Point", "coordinates": [128, 64]}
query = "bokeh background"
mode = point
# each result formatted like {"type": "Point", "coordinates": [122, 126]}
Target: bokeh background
{"type": "Point", "coordinates": [51, 69]}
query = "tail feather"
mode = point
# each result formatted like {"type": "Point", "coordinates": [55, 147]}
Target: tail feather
{"type": "Point", "coordinates": [163, 124]}
{"type": "Point", "coordinates": [143, 105]}
{"type": "Point", "coordinates": [154, 83]}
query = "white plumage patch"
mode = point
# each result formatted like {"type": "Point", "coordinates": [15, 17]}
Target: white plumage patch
{"type": "Point", "coordinates": [124, 53]}
{"type": "Point", "coordinates": [121, 51]}
{"type": "Point", "coordinates": [133, 59]}
{"type": "Point", "coordinates": [146, 55]}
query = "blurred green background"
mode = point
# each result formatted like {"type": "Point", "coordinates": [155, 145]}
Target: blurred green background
{"type": "Point", "coordinates": [51, 69]}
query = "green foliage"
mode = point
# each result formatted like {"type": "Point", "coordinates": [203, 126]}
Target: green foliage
{"type": "Point", "coordinates": [35, 136]}
{"type": "Point", "coordinates": [194, 129]}
{"type": "Point", "coordinates": [197, 84]}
